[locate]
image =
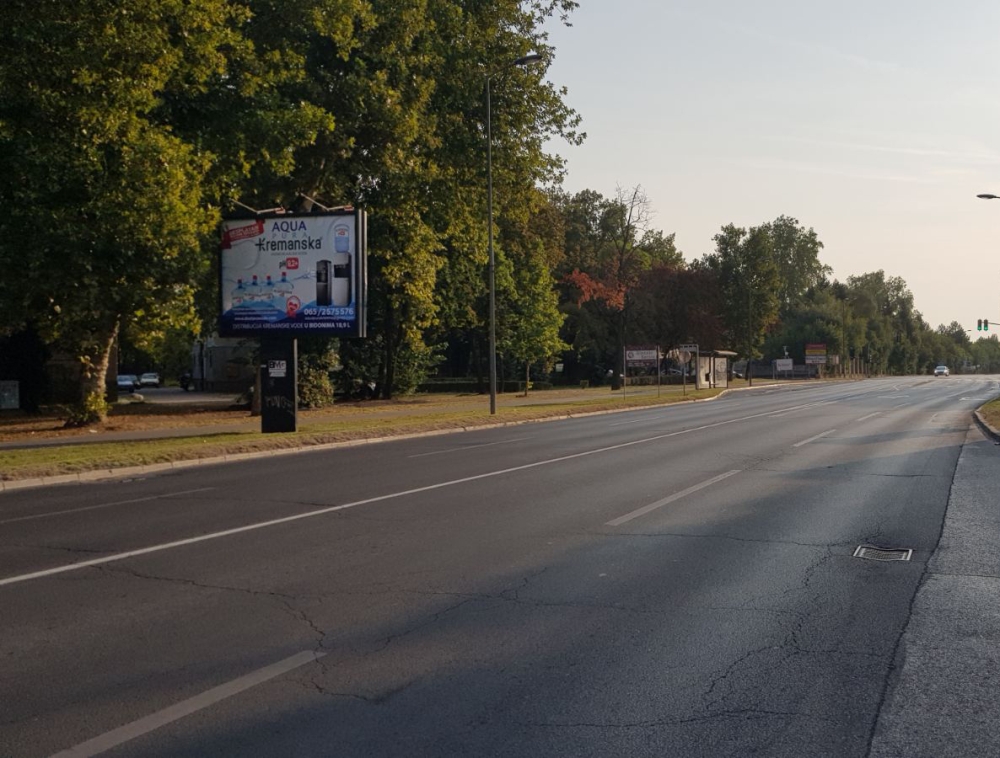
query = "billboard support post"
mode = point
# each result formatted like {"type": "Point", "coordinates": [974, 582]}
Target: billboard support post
{"type": "Point", "coordinates": [279, 384]}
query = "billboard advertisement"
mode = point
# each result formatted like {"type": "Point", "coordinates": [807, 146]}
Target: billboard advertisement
{"type": "Point", "coordinates": [642, 355]}
{"type": "Point", "coordinates": [294, 274]}
{"type": "Point", "coordinates": [816, 353]}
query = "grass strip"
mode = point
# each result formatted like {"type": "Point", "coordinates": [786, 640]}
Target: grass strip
{"type": "Point", "coordinates": [51, 460]}
{"type": "Point", "coordinates": [991, 412]}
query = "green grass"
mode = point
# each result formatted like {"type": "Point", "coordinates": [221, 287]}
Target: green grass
{"type": "Point", "coordinates": [27, 463]}
{"type": "Point", "coordinates": [991, 412]}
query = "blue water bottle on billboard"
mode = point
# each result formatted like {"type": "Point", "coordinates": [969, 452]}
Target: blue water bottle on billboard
{"type": "Point", "coordinates": [282, 291]}
{"type": "Point", "coordinates": [254, 293]}
{"type": "Point", "coordinates": [239, 294]}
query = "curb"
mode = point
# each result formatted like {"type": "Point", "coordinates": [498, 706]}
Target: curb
{"type": "Point", "coordinates": [130, 471]}
{"type": "Point", "coordinates": [986, 428]}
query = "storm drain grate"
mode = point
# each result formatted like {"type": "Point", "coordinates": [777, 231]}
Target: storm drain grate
{"type": "Point", "coordinates": [872, 553]}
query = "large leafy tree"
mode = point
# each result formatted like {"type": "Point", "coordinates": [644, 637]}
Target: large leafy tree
{"type": "Point", "coordinates": [410, 146]}
{"type": "Point", "coordinates": [679, 304]}
{"type": "Point", "coordinates": [749, 283]}
{"type": "Point", "coordinates": [107, 171]}
{"type": "Point", "coordinates": [795, 251]}
{"type": "Point", "coordinates": [626, 246]}
{"type": "Point", "coordinates": [532, 320]}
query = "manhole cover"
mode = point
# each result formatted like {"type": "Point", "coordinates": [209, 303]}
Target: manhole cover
{"type": "Point", "coordinates": [872, 553]}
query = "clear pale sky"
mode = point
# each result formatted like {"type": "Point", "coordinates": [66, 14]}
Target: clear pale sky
{"type": "Point", "coordinates": [875, 123]}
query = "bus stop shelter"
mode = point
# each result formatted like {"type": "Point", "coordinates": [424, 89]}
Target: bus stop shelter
{"type": "Point", "coordinates": [713, 369]}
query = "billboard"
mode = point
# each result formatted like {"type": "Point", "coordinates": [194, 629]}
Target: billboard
{"type": "Point", "coordinates": [294, 274]}
{"type": "Point", "coordinates": [642, 355]}
{"type": "Point", "coordinates": [816, 353]}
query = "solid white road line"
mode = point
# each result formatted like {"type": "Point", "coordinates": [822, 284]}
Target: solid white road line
{"type": "Point", "coordinates": [870, 415]}
{"type": "Point", "coordinates": [377, 499]}
{"type": "Point", "coordinates": [667, 500]}
{"type": "Point", "coordinates": [105, 505]}
{"type": "Point", "coordinates": [147, 724]}
{"type": "Point", "coordinates": [813, 439]}
{"type": "Point", "coordinates": [468, 447]}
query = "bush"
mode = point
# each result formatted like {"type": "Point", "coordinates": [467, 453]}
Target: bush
{"type": "Point", "coordinates": [90, 411]}
{"type": "Point", "coordinates": [315, 387]}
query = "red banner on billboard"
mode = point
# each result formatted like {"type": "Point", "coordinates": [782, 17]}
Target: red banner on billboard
{"type": "Point", "coordinates": [235, 234]}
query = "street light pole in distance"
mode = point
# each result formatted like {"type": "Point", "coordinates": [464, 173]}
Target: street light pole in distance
{"type": "Point", "coordinates": [987, 196]}
{"type": "Point", "coordinates": [522, 61]}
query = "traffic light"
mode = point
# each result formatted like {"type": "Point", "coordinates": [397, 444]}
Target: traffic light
{"type": "Point", "coordinates": [979, 325]}
{"type": "Point", "coordinates": [986, 324]}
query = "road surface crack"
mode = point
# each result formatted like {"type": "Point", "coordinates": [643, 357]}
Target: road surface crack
{"type": "Point", "coordinates": [726, 537]}
{"type": "Point", "coordinates": [193, 583]}
{"type": "Point", "coordinates": [653, 723]}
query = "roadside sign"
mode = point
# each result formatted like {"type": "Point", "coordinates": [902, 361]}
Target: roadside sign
{"type": "Point", "coordinates": [783, 364]}
{"type": "Point", "coordinates": [816, 353]}
{"type": "Point", "coordinates": [642, 355]}
{"type": "Point", "coordinates": [10, 395]}
{"type": "Point", "coordinates": [692, 348]}
{"type": "Point", "coordinates": [277, 369]}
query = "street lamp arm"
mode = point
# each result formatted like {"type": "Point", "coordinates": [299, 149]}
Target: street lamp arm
{"type": "Point", "coordinates": [526, 59]}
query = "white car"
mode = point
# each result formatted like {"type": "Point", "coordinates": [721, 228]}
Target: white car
{"type": "Point", "coordinates": [151, 379]}
{"type": "Point", "coordinates": [941, 371]}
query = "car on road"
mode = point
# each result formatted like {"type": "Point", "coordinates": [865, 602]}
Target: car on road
{"type": "Point", "coordinates": [126, 384]}
{"type": "Point", "coordinates": [941, 371]}
{"type": "Point", "coordinates": [150, 379]}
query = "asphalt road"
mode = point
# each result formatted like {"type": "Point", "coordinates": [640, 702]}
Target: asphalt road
{"type": "Point", "coordinates": [666, 582]}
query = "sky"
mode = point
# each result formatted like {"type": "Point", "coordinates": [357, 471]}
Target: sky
{"type": "Point", "coordinates": [876, 124]}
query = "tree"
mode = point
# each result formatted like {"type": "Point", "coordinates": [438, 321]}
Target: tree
{"type": "Point", "coordinates": [410, 147]}
{"type": "Point", "coordinates": [676, 305]}
{"type": "Point", "coordinates": [106, 168]}
{"type": "Point", "coordinates": [748, 284]}
{"type": "Point", "coordinates": [795, 251]}
{"type": "Point", "coordinates": [531, 326]}
{"type": "Point", "coordinates": [626, 246]}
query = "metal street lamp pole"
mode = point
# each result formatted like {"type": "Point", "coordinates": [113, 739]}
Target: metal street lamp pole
{"type": "Point", "coordinates": [489, 210]}
{"type": "Point", "coordinates": [988, 196]}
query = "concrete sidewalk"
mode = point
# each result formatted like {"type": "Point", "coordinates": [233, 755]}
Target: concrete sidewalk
{"type": "Point", "coordinates": [941, 700]}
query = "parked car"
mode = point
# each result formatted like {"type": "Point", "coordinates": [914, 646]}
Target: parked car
{"type": "Point", "coordinates": [941, 371]}
{"type": "Point", "coordinates": [150, 379]}
{"type": "Point", "coordinates": [125, 383]}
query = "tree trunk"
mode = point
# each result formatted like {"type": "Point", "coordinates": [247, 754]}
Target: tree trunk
{"type": "Point", "coordinates": [93, 407]}
{"type": "Point", "coordinates": [477, 352]}
{"type": "Point", "coordinates": [390, 353]}
{"type": "Point", "coordinates": [527, 376]}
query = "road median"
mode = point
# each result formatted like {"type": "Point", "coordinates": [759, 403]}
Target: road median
{"type": "Point", "coordinates": [68, 460]}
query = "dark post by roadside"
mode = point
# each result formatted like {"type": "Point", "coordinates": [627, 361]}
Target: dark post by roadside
{"type": "Point", "coordinates": [279, 386]}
